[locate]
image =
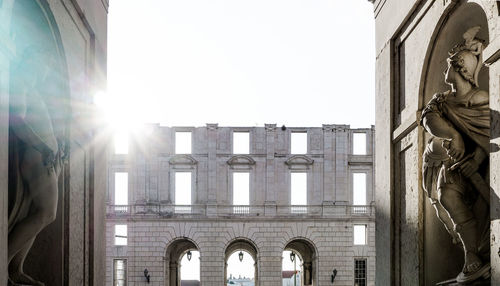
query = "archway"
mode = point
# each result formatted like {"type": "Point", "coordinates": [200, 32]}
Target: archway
{"type": "Point", "coordinates": [239, 257]}
{"type": "Point", "coordinates": [442, 258]}
{"type": "Point", "coordinates": [182, 252]}
{"type": "Point", "coordinates": [303, 254]}
{"type": "Point", "coordinates": [38, 78]}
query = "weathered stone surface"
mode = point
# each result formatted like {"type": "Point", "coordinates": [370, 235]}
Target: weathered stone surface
{"type": "Point", "coordinates": [68, 251]}
{"type": "Point", "coordinates": [269, 225]}
{"type": "Point", "coordinates": [413, 38]}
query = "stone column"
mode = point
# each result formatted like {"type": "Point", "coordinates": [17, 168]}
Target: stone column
{"type": "Point", "coordinates": [328, 166]}
{"type": "Point", "coordinates": [174, 271]}
{"type": "Point", "coordinates": [494, 70]}
{"type": "Point", "coordinates": [307, 266]}
{"type": "Point", "coordinates": [270, 203]}
{"type": "Point", "coordinates": [341, 171]}
{"type": "Point", "coordinates": [212, 169]}
{"type": "Point", "coordinates": [7, 51]}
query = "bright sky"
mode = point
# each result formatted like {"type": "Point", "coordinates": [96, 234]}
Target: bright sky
{"type": "Point", "coordinates": [245, 268]}
{"type": "Point", "coordinates": [242, 63]}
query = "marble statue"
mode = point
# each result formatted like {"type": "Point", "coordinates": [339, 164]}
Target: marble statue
{"type": "Point", "coordinates": [455, 161]}
{"type": "Point", "coordinates": [36, 151]}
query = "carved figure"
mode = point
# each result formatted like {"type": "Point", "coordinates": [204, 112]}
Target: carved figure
{"type": "Point", "coordinates": [35, 156]}
{"type": "Point", "coordinates": [455, 168]}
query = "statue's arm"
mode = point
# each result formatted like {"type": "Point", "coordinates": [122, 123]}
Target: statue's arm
{"type": "Point", "coordinates": [18, 112]}
{"type": "Point", "coordinates": [438, 126]}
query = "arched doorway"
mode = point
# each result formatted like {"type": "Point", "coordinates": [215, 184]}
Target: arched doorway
{"type": "Point", "coordinates": [300, 253]}
{"type": "Point", "coordinates": [241, 263]}
{"type": "Point", "coordinates": [182, 263]}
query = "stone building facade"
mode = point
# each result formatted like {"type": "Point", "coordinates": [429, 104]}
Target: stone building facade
{"type": "Point", "coordinates": [159, 231]}
{"type": "Point", "coordinates": [55, 51]}
{"type": "Point", "coordinates": [413, 39]}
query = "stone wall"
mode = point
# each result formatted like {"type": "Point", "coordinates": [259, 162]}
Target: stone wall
{"type": "Point", "coordinates": [412, 41]}
{"type": "Point", "coordinates": [269, 223]}
{"type": "Point", "coordinates": [71, 250]}
{"type": "Point", "coordinates": [333, 240]}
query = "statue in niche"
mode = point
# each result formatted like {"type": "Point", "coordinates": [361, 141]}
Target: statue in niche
{"type": "Point", "coordinates": [36, 153]}
{"type": "Point", "coordinates": [456, 165]}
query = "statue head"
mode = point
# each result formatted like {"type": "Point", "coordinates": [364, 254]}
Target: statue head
{"type": "Point", "coordinates": [466, 58]}
{"type": "Point", "coordinates": [464, 64]}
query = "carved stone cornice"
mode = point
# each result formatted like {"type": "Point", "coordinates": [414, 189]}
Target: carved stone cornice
{"type": "Point", "coordinates": [212, 126]}
{"type": "Point", "coordinates": [270, 127]}
{"type": "Point", "coordinates": [341, 128]}
{"type": "Point", "coordinates": [328, 127]}
{"type": "Point", "coordinates": [241, 160]}
{"type": "Point", "coordinates": [299, 162]}
{"type": "Point", "coordinates": [182, 160]}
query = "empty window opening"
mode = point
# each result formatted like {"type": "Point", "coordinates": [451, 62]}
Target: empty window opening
{"type": "Point", "coordinates": [182, 142]}
{"type": "Point", "coordinates": [120, 234]}
{"type": "Point", "coordinates": [359, 234]}
{"type": "Point", "coordinates": [119, 272]}
{"type": "Point", "coordinates": [359, 192]}
{"type": "Point", "coordinates": [241, 143]}
{"type": "Point", "coordinates": [121, 192]}
{"type": "Point", "coordinates": [190, 268]}
{"type": "Point", "coordinates": [359, 144]}
{"type": "Point", "coordinates": [292, 268]}
{"type": "Point", "coordinates": [298, 186]}
{"type": "Point", "coordinates": [121, 138]}
{"type": "Point", "coordinates": [360, 272]}
{"type": "Point", "coordinates": [241, 192]}
{"type": "Point", "coordinates": [183, 192]}
{"type": "Point", "coordinates": [240, 268]}
{"type": "Point", "coordinates": [298, 143]}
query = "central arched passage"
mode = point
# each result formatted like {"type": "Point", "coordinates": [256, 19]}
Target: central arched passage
{"type": "Point", "coordinates": [303, 254]}
{"type": "Point", "coordinates": [182, 263]}
{"type": "Point", "coordinates": [240, 255]}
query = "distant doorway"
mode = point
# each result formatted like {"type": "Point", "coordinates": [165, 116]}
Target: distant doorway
{"type": "Point", "coordinates": [241, 264]}
{"type": "Point", "coordinates": [299, 263]}
{"type": "Point", "coordinates": [182, 263]}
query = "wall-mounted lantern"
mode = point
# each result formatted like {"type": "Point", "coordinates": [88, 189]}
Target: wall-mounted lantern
{"type": "Point", "coordinates": [189, 255]}
{"type": "Point", "coordinates": [292, 256]}
{"type": "Point", "coordinates": [334, 274]}
{"type": "Point", "coordinates": [146, 274]}
{"type": "Point", "coordinates": [240, 256]}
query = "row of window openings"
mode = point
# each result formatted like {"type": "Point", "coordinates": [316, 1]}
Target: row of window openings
{"type": "Point", "coordinates": [360, 234]}
{"type": "Point", "coordinates": [241, 143]}
{"type": "Point", "coordinates": [241, 191]}
{"type": "Point", "coordinates": [120, 272]}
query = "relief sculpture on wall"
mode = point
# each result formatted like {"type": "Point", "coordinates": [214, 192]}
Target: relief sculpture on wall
{"type": "Point", "coordinates": [455, 161]}
{"type": "Point", "coordinates": [37, 150]}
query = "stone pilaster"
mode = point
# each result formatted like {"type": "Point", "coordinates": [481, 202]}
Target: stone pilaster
{"type": "Point", "coordinates": [212, 168]}
{"type": "Point", "coordinates": [270, 203]}
{"type": "Point", "coordinates": [341, 171]}
{"type": "Point", "coordinates": [328, 165]}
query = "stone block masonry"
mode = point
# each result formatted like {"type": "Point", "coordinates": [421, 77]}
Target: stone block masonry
{"type": "Point", "coordinates": [320, 229]}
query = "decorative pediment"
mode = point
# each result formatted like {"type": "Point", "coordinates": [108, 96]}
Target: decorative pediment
{"type": "Point", "coordinates": [299, 162]}
{"type": "Point", "coordinates": [182, 160]}
{"type": "Point", "coordinates": [241, 160]}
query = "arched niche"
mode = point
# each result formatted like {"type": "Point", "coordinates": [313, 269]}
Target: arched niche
{"type": "Point", "coordinates": [242, 244]}
{"type": "Point", "coordinates": [38, 47]}
{"type": "Point", "coordinates": [308, 253]}
{"type": "Point", "coordinates": [442, 259]}
{"type": "Point", "coordinates": [175, 251]}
